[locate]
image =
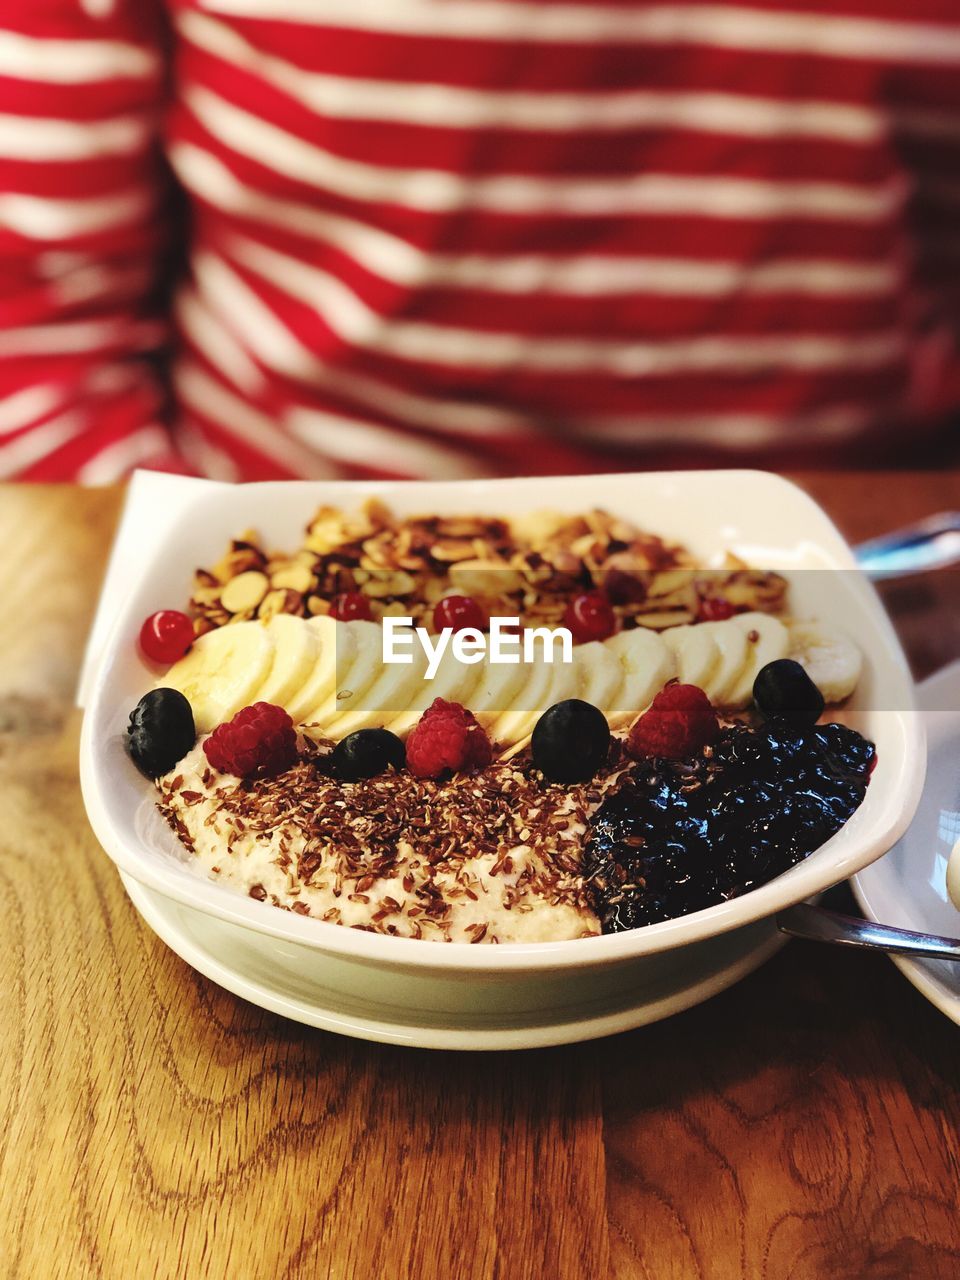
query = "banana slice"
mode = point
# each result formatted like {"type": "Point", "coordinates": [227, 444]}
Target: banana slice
{"type": "Point", "coordinates": [454, 681]}
{"type": "Point", "coordinates": [496, 691]}
{"type": "Point", "coordinates": [732, 647]}
{"type": "Point", "coordinates": [564, 684]}
{"type": "Point", "coordinates": [315, 702]}
{"type": "Point", "coordinates": [528, 703]}
{"type": "Point", "coordinates": [831, 659]}
{"type": "Point", "coordinates": [353, 683]}
{"type": "Point", "coordinates": [391, 693]}
{"type": "Point", "coordinates": [547, 683]}
{"type": "Point", "coordinates": [599, 674]}
{"type": "Point", "coordinates": [294, 657]}
{"type": "Point", "coordinates": [647, 666]}
{"type": "Point", "coordinates": [696, 652]}
{"type": "Point", "coordinates": [767, 640]}
{"type": "Point", "coordinates": [222, 671]}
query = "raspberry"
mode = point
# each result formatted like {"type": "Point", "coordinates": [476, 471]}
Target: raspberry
{"type": "Point", "coordinates": [258, 742]}
{"type": "Point", "coordinates": [446, 738]}
{"type": "Point", "coordinates": [680, 723]}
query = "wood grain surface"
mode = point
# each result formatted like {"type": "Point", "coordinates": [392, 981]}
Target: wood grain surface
{"type": "Point", "coordinates": [803, 1124]}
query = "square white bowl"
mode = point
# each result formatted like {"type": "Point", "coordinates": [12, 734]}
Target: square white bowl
{"type": "Point", "coordinates": [762, 518]}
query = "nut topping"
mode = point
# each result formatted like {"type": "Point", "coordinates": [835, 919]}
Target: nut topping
{"type": "Point", "coordinates": [529, 567]}
{"type": "Point", "coordinates": [244, 593]}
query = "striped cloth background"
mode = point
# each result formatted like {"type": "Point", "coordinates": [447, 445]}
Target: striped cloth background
{"type": "Point", "coordinates": [454, 237]}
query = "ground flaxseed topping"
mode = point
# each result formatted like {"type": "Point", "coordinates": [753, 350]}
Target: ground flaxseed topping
{"type": "Point", "coordinates": [484, 857]}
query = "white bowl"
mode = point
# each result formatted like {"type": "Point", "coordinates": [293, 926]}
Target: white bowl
{"type": "Point", "coordinates": [766, 520]}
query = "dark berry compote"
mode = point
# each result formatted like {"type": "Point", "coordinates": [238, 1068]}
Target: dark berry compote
{"type": "Point", "coordinates": [680, 835]}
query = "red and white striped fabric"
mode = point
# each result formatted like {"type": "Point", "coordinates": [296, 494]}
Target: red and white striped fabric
{"type": "Point", "coordinates": [451, 237]}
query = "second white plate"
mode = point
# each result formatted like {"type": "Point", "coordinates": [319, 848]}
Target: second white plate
{"type": "Point", "coordinates": [907, 887]}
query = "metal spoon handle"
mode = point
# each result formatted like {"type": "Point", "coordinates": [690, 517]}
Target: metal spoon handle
{"type": "Point", "coordinates": [932, 543]}
{"type": "Point", "coordinates": [820, 925]}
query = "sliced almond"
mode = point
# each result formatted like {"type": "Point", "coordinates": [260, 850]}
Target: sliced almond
{"type": "Point", "coordinates": [666, 583]}
{"type": "Point", "coordinates": [660, 621]}
{"type": "Point", "coordinates": [451, 550]}
{"type": "Point", "coordinates": [245, 591]}
{"type": "Point", "coordinates": [485, 578]}
{"type": "Point", "coordinates": [684, 598]}
{"type": "Point", "coordinates": [207, 595]}
{"type": "Point", "coordinates": [388, 584]}
{"type": "Point", "coordinates": [282, 600]}
{"type": "Point", "coordinates": [327, 530]}
{"type": "Point", "coordinates": [588, 544]}
{"type": "Point", "coordinates": [295, 576]}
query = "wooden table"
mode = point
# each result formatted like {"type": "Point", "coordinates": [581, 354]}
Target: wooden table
{"type": "Point", "coordinates": [803, 1124]}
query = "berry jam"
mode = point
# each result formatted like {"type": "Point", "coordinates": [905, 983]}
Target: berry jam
{"type": "Point", "coordinates": [682, 835]}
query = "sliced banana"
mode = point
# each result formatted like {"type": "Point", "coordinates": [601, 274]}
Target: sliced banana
{"type": "Point", "coordinates": [294, 657]}
{"type": "Point", "coordinates": [732, 647]}
{"type": "Point", "coordinates": [547, 683]}
{"type": "Point", "coordinates": [354, 681]}
{"type": "Point", "coordinates": [390, 694]}
{"type": "Point", "coordinates": [315, 702]}
{"type": "Point", "coordinates": [528, 704]}
{"type": "Point", "coordinates": [222, 671]}
{"type": "Point", "coordinates": [496, 691]}
{"type": "Point", "coordinates": [454, 681]}
{"type": "Point", "coordinates": [564, 684]}
{"type": "Point", "coordinates": [696, 652]}
{"type": "Point", "coordinates": [599, 674]}
{"type": "Point", "coordinates": [647, 666]}
{"type": "Point", "coordinates": [831, 659]}
{"type": "Point", "coordinates": [767, 641]}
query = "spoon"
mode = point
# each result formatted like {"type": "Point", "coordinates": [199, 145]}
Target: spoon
{"type": "Point", "coordinates": [932, 543]}
{"type": "Point", "coordinates": [817, 924]}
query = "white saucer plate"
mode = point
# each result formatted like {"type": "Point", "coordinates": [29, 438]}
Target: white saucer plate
{"type": "Point", "coordinates": [553, 1009]}
{"type": "Point", "coordinates": [907, 887]}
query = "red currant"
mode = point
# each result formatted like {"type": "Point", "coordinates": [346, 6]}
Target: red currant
{"type": "Point", "coordinates": [716, 609]}
{"type": "Point", "coordinates": [166, 636]}
{"type": "Point", "coordinates": [458, 612]}
{"type": "Point", "coordinates": [350, 606]}
{"type": "Point", "coordinates": [590, 617]}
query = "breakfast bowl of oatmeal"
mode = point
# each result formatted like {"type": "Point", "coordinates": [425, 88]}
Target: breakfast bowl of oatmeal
{"type": "Point", "coordinates": [466, 751]}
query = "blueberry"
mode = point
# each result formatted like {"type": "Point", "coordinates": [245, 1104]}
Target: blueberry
{"type": "Point", "coordinates": [161, 731]}
{"type": "Point", "coordinates": [783, 690]}
{"type": "Point", "coordinates": [366, 753]}
{"type": "Point", "coordinates": [570, 741]}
